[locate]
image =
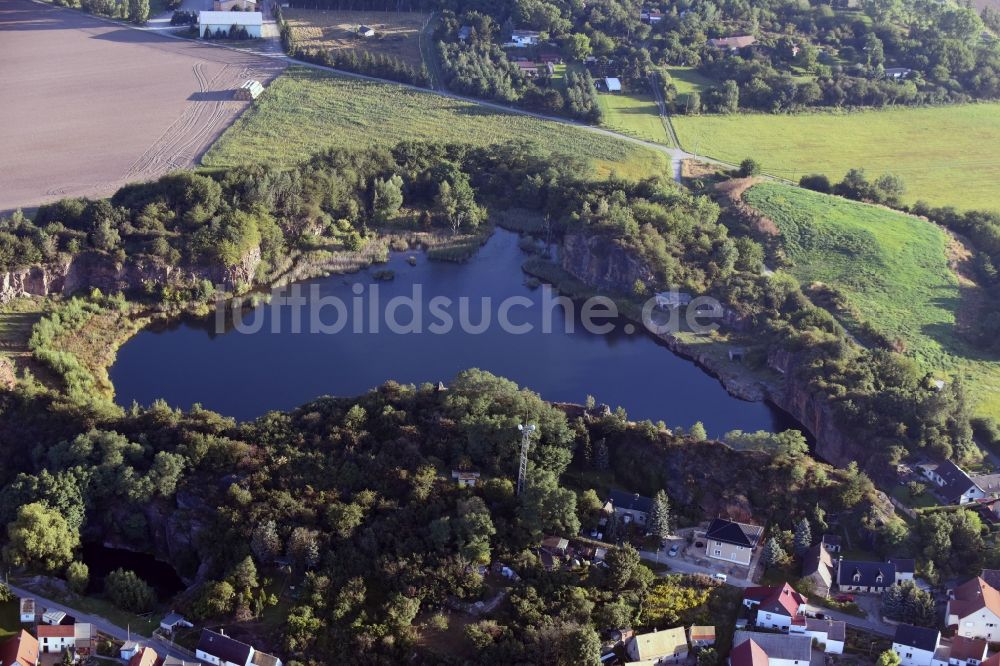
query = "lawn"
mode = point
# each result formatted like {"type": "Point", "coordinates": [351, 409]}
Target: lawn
{"type": "Point", "coordinates": [635, 114]}
{"type": "Point", "coordinates": [305, 111]}
{"type": "Point", "coordinates": [688, 80]}
{"type": "Point", "coordinates": [10, 619]}
{"type": "Point", "coordinates": [946, 155]}
{"type": "Point", "coordinates": [397, 34]}
{"type": "Point", "coordinates": [892, 268]}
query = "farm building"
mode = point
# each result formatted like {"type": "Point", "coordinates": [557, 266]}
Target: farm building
{"type": "Point", "coordinates": [249, 90]}
{"type": "Point", "coordinates": [216, 21]}
{"type": "Point", "coordinates": [366, 31]}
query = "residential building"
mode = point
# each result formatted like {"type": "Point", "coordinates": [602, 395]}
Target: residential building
{"type": "Point", "coordinates": [659, 647]}
{"type": "Point", "coordinates": [777, 649]}
{"type": "Point", "coordinates": [555, 544]}
{"type": "Point", "coordinates": [831, 542]}
{"type": "Point", "coordinates": [465, 479]}
{"type": "Point", "coordinates": [701, 636]}
{"type": "Point", "coordinates": [988, 483]}
{"type": "Point", "coordinates": [731, 541]}
{"type": "Point", "coordinates": [27, 610]}
{"type": "Point", "coordinates": [629, 507]}
{"type": "Point", "coordinates": [777, 608]}
{"type": "Point", "coordinates": [905, 568]}
{"type": "Point", "coordinates": [974, 611]}
{"type": "Point", "coordinates": [20, 650]}
{"type": "Point", "coordinates": [147, 656]}
{"type": "Point", "coordinates": [915, 646]}
{"type": "Point", "coordinates": [748, 653]}
{"type": "Point", "coordinates": [524, 38]}
{"type": "Point", "coordinates": [733, 43]}
{"type": "Point", "coordinates": [953, 484]}
{"type": "Point", "coordinates": [129, 649]}
{"type": "Point", "coordinates": [174, 661]}
{"type": "Point", "coordinates": [964, 651]}
{"type": "Point", "coordinates": [172, 621]}
{"type": "Point", "coordinates": [855, 576]}
{"type": "Point", "coordinates": [221, 650]}
{"type": "Point", "coordinates": [817, 568]}
{"type": "Point", "coordinates": [830, 634]}
{"type": "Point", "coordinates": [55, 638]}
{"type": "Point", "coordinates": [215, 21]}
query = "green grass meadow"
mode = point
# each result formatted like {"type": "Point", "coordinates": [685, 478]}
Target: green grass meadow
{"type": "Point", "coordinates": [688, 80]}
{"type": "Point", "coordinates": [305, 110]}
{"type": "Point", "coordinates": [635, 114]}
{"type": "Point", "coordinates": [893, 269]}
{"type": "Point", "coordinates": [946, 155]}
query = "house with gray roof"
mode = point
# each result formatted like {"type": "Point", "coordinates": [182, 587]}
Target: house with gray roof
{"type": "Point", "coordinates": [731, 541]}
{"type": "Point", "coordinates": [781, 649]}
{"type": "Point", "coordinates": [857, 576]}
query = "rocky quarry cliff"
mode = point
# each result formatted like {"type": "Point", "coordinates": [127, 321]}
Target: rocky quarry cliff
{"type": "Point", "coordinates": [94, 270]}
{"type": "Point", "coordinates": [602, 263]}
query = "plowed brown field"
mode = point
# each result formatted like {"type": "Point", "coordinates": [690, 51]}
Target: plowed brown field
{"type": "Point", "coordinates": [86, 106]}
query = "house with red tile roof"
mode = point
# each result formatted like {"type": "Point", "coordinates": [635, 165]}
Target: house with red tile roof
{"type": "Point", "coordinates": [53, 639]}
{"type": "Point", "coordinates": [145, 657]}
{"type": "Point", "coordinates": [20, 650]}
{"type": "Point", "coordinates": [748, 653]}
{"type": "Point", "coordinates": [778, 608]}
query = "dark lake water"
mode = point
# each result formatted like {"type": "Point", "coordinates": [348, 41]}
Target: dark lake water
{"type": "Point", "coordinates": [246, 374]}
{"type": "Point", "coordinates": [102, 561]}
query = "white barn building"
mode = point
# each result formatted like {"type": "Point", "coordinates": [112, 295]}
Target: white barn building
{"type": "Point", "coordinates": [215, 21]}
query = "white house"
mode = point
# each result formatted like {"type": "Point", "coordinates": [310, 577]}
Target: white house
{"type": "Point", "coordinates": [53, 617]}
{"type": "Point", "coordinates": [172, 621]}
{"type": "Point", "coordinates": [831, 634]}
{"type": "Point", "coordinates": [777, 607]}
{"type": "Point", "coordinates": [915, 645]}
{"type": "Point", "coordinates": [524, 38]}
{"type": "Point", "coordinates": [974, 611]}
{"type": "Point", "coordinates": [53, 639]}
{"type": "Point", "coordinates": [221, 650]}
{"type": "Point", "coordinates": [129, 649]}
{"type": "Point", "coordinates": [953, 483]}
{"type": "Point", "coordinates": [216, 21]}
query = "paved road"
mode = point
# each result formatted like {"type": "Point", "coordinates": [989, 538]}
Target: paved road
{"type": "Point", "coordinates": [103, 625]}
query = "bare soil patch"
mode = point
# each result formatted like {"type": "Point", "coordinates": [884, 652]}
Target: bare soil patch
{"type": "Point", "coordinates": [397, 34]}
{"type": "Point", "coordinates": [733, 190]}
{"type": "Point", "coordinates": [90, 106]}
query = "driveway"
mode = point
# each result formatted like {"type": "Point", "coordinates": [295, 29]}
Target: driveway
{"type": "Point", "coordinates": [872, 624]}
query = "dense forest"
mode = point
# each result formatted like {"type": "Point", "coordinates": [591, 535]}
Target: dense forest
{"type": "Point", "coordinates": [872, 54]}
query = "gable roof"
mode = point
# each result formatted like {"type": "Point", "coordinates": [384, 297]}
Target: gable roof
{"type": "Point", "coordinates": [964, 649]}
{"type": "Point", "coordinates": [972, 596]}
{"type": "Point", "coordinates": [818, 561]}
{"type": "Point", "coordinates": [736, 42]}
{"type": "Point", "coordinates": [988, 483]}
{"type": "Point", "coordinates": [56, 631]}
{"type": "Point", "coordinates": [748, 653]}
{"type": "Point", "coordinates": [661, 643]}
{"type": "Point", "coordinates": [630, 501]}
{"type": "Point", "coordinates": [792, 647]}
{"type": "Point", "coordinates": [224, 647]}
{"type": "Point", "coordinates": [145, 657]}
{"type": "Point", "coordinates": [783, 601]}
{"type": "Point", "coordinates": [866, 574]}
{"type": "Point", "coordinates": [921, 638]}
{"type": "Point", "coordinates": [835, 630]}
{"type": "Point", "coordinates": [956, 481]}
{"type": "Point", "coordinates": [738, 534]}
{"type": "Point", "coordinates": [903, 565]}
{"type": "Point", "coordinates": [21, 649]}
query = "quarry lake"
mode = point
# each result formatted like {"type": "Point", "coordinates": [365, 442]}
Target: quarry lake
{"type": "Point", "coordinates": [247, 374]}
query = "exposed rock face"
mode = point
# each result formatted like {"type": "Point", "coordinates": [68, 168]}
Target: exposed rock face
{"type": "Point", "coordinates": [602, 263]}
{"type": "Point", "coordinates": [91, 270]}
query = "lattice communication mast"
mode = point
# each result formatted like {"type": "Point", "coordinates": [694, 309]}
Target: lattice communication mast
{"type": "Point", "coordinates": [522, 470]}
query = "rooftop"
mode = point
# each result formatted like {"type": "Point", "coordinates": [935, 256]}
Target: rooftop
{"type": "Point", "coordinates": [661, 643]}
{"type": "Point", "coordinates": [790, 647]}
{"type": "Point", "coordinates": [738, 534]}
{"type": "Point", "coordinates": [921, 638]}
{"type": "Point", "coordinates": [230, 18]}
{"type": "Point", "coordinates": [224, 647]}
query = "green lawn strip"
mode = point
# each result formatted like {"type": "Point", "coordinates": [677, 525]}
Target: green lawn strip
{"type": "Point", "coordinates": [306, 110]}
{"type": "Point", "coordinates": [945, 155]}
{"type": "Point", "coordinates": [635, 114]}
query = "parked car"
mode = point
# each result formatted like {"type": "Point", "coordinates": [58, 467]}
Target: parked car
{"type": "Point", "coordinates": [721, 577]}
{"type": "Point", "coordinates": [844, 598]}
{"type": "Point", "coordinates": [673, 551]}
